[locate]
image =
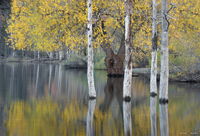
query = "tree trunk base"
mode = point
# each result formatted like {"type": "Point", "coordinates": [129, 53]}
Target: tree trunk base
{"type": "Point", "coordinates": [115, 65]}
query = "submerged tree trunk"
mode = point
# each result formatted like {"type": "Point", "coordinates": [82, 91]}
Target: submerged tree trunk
{"type": "Point", "coordinates": [128, 52]}
{"type": "Point", "coordinates": [114, 61]}
{"type": "Point", "coordinates": [153, 80]}
{"type": "Point", "coordinates": [90, 61]}
{"type": "Point", "coordinates": [164, 71]}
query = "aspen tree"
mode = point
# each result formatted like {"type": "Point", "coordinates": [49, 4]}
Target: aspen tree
{"type": "Point", "coordinates": [164, 71]}
{"type": "Point", "coordinates": [153, 79]}
{"type": "Point", "coordinates": [153, 115]}
{"type": "Point", "coordinates": [90, 55]}
{"type": "Point", "coordinates": [128, 50]}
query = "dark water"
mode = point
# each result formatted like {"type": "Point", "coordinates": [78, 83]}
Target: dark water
{"type": "Point", "coordinates": [48, 100]}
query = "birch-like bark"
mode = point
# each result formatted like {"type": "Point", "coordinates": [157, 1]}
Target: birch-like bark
{"type": "Point", "coordinates": [164, 71]}
{"type": "Point", "coordinates": [51, 55]}
{"type": "Point", "coordinates": [127, 119]}
{"type": "Point", "coordinates": [164, 124]}
{"type": "Point", "coordinates": [128, 50]}
{"type": "Point", "coordinates": [13, 53]}
{"type": "Point", "coordinates": [153, 103]}
{"type": "Point", "coordinates": [38, 55]}
{"type": "Point", "coordinates": [90, 114]}
{"type": "Point", "coordinates": [153, 80]}
{"type": "Point", "coordinates": [61, 55]}
{"type": "Point", "coordinates": [90, 61]}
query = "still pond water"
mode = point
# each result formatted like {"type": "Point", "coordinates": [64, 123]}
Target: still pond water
{"type": "Point", "coordinates": [49, 100]}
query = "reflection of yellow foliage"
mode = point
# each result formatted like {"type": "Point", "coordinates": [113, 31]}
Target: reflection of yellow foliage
{"type": "Point", "coordinates": [141, 119]}
{"type": "Point", "coordinates": [45, 118]}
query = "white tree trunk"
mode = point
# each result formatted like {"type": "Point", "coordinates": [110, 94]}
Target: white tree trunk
{"type": "Point", "coordinates": [61, 55]}
{"type": "Point", "coordinates": [13, 53]}
{"type": "Point", "coordinates": [127, 118]}
{"type": "Point", "coordinates": [90, 114]}
{"type": "Point", "coordinates": [153, 104]}
{"type": "Point", "coordinates": [57, 55]}
{"type": "Point", "coordinates": [90, 62]}
{"type": "Point", "coordinates": [38, 55]}
{"type": "Point", "coordinates": [164, 125]}
{"type": "Point", "coordinates": [164, 71]}
{"type": "Point", "coordinates": [128, 51]}
{"type": "Point", "coordinates": [51, 55]}
{"type": "Point", "coordinates": [153, 80]}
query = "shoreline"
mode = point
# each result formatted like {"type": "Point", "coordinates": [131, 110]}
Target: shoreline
{"type": "Point", "coordinates": [136, 71]}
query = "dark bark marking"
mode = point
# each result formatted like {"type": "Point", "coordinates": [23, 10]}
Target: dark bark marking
{"type": "Point", "coordinates": [155, 42]}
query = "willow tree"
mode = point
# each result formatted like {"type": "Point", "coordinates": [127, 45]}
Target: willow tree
{"type": "Point", "coordinates": [153, 80]}
{"type": "Point", "coordinates": [128, 51]}
{"type": "Point", "coordinates": [164, 70]}
{"type": "Point", "coordinates": [90, 56]}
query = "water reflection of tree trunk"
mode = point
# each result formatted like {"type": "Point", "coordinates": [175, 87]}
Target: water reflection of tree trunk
{"type": "Point", "coordinates": [59, 78]}
{"type": "Point", "coordinates": [12, 79]}
{"type": "Point", "coordinates": [50, 74]}
{"type": "Point", "coordinates": [90, 114]}
{"type": "Point", "coordinates": [164, 126]}
{"type": "Point", "coordinates": [127, 118]}
{"type": "Point", "coordinates": [37, 78]}
{"type": "Point", "coordinates": [113, 88]}
{"type": "Point", "coordinates": [153, 103]}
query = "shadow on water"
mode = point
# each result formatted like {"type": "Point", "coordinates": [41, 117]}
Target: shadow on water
{"type": "Point", "coordinates": [112, 90]}
{"type": "Point", "coordinates": [50, 100]}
